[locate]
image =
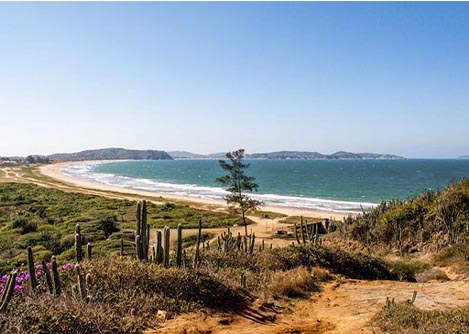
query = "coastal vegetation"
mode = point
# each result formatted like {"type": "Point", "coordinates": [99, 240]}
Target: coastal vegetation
{"type": "Point", "coordinates": [45, 219]}
{"type": "Point", "coordinates": [218, 271]}
{"type": "Point", "coordinates": [436, 221]}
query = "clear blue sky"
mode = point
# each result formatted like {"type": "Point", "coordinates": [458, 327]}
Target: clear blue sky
{"type": "Point", "coordinates": [210, 77]}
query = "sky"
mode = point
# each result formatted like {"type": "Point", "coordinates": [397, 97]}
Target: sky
{"type": "Point", "coordinates": [214, 77]}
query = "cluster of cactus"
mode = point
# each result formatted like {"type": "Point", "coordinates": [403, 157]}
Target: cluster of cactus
{"type": "Point", "coordinates": [52, 282]}
{"type": "Point", "coordinates": [308, 233]}
{"type": "Point", "coordinates": [83, 284]}
{"type": "Point", "coordinates": [79, 240]}
{"type": "Point", "coordinates": [240, 243]}
{"type": "Point", "coordinates": [142, 232]}
{"type": "Point", "coordinates": [160, 252]}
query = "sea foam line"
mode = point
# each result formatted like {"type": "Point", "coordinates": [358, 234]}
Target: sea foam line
{"type": "Point", "coordinates": [85, 171]}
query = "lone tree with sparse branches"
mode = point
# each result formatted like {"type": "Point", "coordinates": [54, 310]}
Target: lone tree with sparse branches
{"type": "Point", "coordinates": [238, 184]}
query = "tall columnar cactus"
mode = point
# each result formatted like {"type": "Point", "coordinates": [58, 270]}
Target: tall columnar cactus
{"type": "Point", "coordinates": [138, 246]}
{"type": "Point", "coordinates": [296, 234]}
{"type": "Point", "coordinates": [56, 278]}
{"type": "Point", "coordinates": [78, 246]}
{"type": "Point", "coordinates": [138, 224]}
{"type": "Point", "coordinates": [143, 233]}
{"type": "Point", "coordinates": [88, 251]}
{"type": "Point", "coordinates": [239, 241]}
{"type": "Point", "coordinates": [46, 272]}
{"type": "Point", "coordinates": [8, 291]}
{"type": "Point", "coordinates": [88, 286]}
{"type": "Point", "coordinates": [80, 282]}
{"type": "Point", "coordinates": [166, 247]}
{"type": "Point", "coordinates": [159, 248]}
{"type": "Point", "coordinates": [179, 246]}
{"type": "Point", "coordinates": [142, 229]}
{"type": "Point", "coordinates": [227, 238]}
{"type": "Point", "coordinates": [303, 236]}
{"type": "Point", "coordinates": [251, 247]}
{"type": "Point", "coordinates": [243, 280]}
{"type": "Point", "coordinates": [31, 269]}
{"type": "Point", "coordinates": [147, 247]}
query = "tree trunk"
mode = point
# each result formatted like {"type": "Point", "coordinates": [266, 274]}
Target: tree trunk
{"type": "Point", "coordinates": [244, 222]}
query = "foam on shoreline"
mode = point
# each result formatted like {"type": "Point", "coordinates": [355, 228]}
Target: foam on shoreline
{"type": "Point", "coordinates": [84, 171]}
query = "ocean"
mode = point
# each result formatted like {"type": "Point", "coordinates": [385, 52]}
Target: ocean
{"type": "Point", "coordinates": [330, 185]}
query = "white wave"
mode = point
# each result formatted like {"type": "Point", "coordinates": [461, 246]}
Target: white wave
{"type": "Point", "coordinates": [85, 171]}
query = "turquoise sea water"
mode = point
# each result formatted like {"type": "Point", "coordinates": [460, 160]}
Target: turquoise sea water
{"type": "Point", "coordinates": [334, 185]}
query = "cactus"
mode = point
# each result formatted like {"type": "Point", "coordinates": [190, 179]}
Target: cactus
{"type": "Point", "coordinates": [243, 280]}
{"type": "Point", "coordinates": [142, 229]}
{"type": "Point", "coordinates": [245, 243]}
{"type": "Point", "coordinates": [143, 232]}
{"type": "Point", "coordinates": [8, 291]}
{"type": "Point", "coordinates": [48, 277]}
{"type": "Point", "coordinates": [179, 246]}
{"type": "Point", "coordinates": [146, 249]}
{"type": "Point", "coordinates": [166, 246]}
{"type": "Point", "coordinates": [303, 236]}
{"type": "Point", "coordinates": [31, 270]}
{"type": "Point", "coordinates": [159, 248]}
{"type": "Point", "coordinates": [80, 282]}
{"type": "Point", "coordinates": [296, 234]}
{"type": "Point", "coordinates": [138, 246]}
{"type": "Point", "coordinates": [227, 238]}
{"type": "Point", "coordinates": [138, 214]}
{"type": "Point", "coordinates": [251, 247]}
{"type": "Point", "coordinates": [55, 278]}
{"type": "Point", "coordinates": [78, 248]}
{"type": "Point", "coordinates": [239, 241]}
{"type": "Point", "coordinates": [88, 251]}
{"type": "Point", "coordinates": [88, 286]}
{"type": "Point", "coordinates": [122, 247]}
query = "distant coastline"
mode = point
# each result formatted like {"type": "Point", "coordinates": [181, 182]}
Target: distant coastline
{"type": "Point", "coordinates": [55, 171]}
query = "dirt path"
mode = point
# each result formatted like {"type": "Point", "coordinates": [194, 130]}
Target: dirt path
{"type": "Point", "coordinates": [340, 308]}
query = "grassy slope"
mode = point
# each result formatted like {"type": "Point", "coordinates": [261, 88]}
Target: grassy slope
{"type": "Point", "coordinates": [45, 218]}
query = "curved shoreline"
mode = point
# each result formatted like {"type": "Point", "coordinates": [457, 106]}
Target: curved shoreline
{"type": "Point", "coordinates": [54, 171]}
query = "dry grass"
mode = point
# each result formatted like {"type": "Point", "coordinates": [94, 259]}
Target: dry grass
{"type": "Point", "coordinates": [431, 275]}
{"type": "Point", "coordinates": [403, 318]}
{"type": "Point", "coordinates": [295, 283]}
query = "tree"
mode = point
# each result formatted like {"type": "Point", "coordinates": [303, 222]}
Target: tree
{"type": "Point", "coordinates": [238, 184]}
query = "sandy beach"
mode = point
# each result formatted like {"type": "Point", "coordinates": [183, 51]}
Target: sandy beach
{"type": "Point", "coordinates": [54, 171]}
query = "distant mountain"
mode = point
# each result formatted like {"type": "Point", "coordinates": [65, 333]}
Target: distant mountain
{"type": "Point", "coordinates": [113, 154]}
{"type": "Point", "coordinates": [286, 155]}
{"type": "Point", "coordinates": [379, 156]}
{"type": "Point", "coordinates": [185, 155]}
{"type": "Point", "coordinates": [464, 157]}
{"type": "Point", "coordinates": [344, 155]}
{"type": "Point", "coordinates": [219, 155]}
{"type": "Point", "coordinates": [293, 155]}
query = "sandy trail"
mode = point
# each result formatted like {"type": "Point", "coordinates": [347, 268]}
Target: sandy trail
{"type": "Point", "coordinates": [340, 308]}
